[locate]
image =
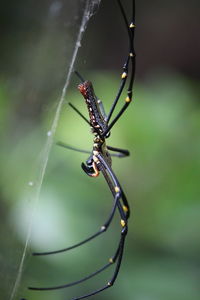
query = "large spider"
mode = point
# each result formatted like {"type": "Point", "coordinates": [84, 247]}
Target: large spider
{"type": "Point", "coordinates": [100, 159]}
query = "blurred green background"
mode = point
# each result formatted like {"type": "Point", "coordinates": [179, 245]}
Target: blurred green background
{"type": "Point", "coordinates": [160, 128]}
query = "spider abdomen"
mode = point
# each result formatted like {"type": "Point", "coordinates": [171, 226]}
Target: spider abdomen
{"type": "Point", "coordinates": [96, 119]}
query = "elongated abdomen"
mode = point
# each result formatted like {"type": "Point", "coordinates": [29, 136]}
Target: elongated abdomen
{"type": "Point", "coordinates": [96, 118]}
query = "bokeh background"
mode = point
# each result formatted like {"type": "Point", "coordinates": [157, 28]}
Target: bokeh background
{"type": "Point", "coordinates": [160, 128]}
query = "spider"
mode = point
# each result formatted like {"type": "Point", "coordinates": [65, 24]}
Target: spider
{"type": "Point", "coordinates": [99, 160]}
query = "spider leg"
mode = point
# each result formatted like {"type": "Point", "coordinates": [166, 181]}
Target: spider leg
{"type": "Point", "coordinates": [61, 144]}
{"type": "Point", "coordinates": [82, 116]}
{"type": "Point", "coordinates": [116, 257]}
{"type": "Point", "coordinates": [116, 187]}
{"type": "Point", "coordinates": [102, 110]}
{"type": "Point", "coordinates": [78, 112]}
{"type": "Point", "coordinates": [122, 84]}
{"type": "Point", "coordinates": [116, 271]}
{"type": "Point", "coordinates": [131, 56]}
{"type": "Point", "coordinates": [111, 261]}
{"type": "Point", "coordinates": [102, 229]}
{"type": "Point", "coordinates": [72, 283]}
{"type": "Point", "coordinates": [79, 76]}
{"type": "Point", "coordinates": [121, 152]}
{"type": "Point", "coordinates": [119, 253]}
{"type": "Point", "coordinates": [118, 194]}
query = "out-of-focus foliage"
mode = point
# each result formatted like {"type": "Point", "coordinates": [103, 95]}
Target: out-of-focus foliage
{"type": "Point", "coordinates": [161, 179]}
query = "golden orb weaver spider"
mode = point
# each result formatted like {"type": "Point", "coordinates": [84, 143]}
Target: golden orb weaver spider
{"type": "Point", "coordinates": [100, 159]}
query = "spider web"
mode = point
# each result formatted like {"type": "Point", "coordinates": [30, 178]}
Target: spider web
{"type": "Point", "coordinates": [90, 8]}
